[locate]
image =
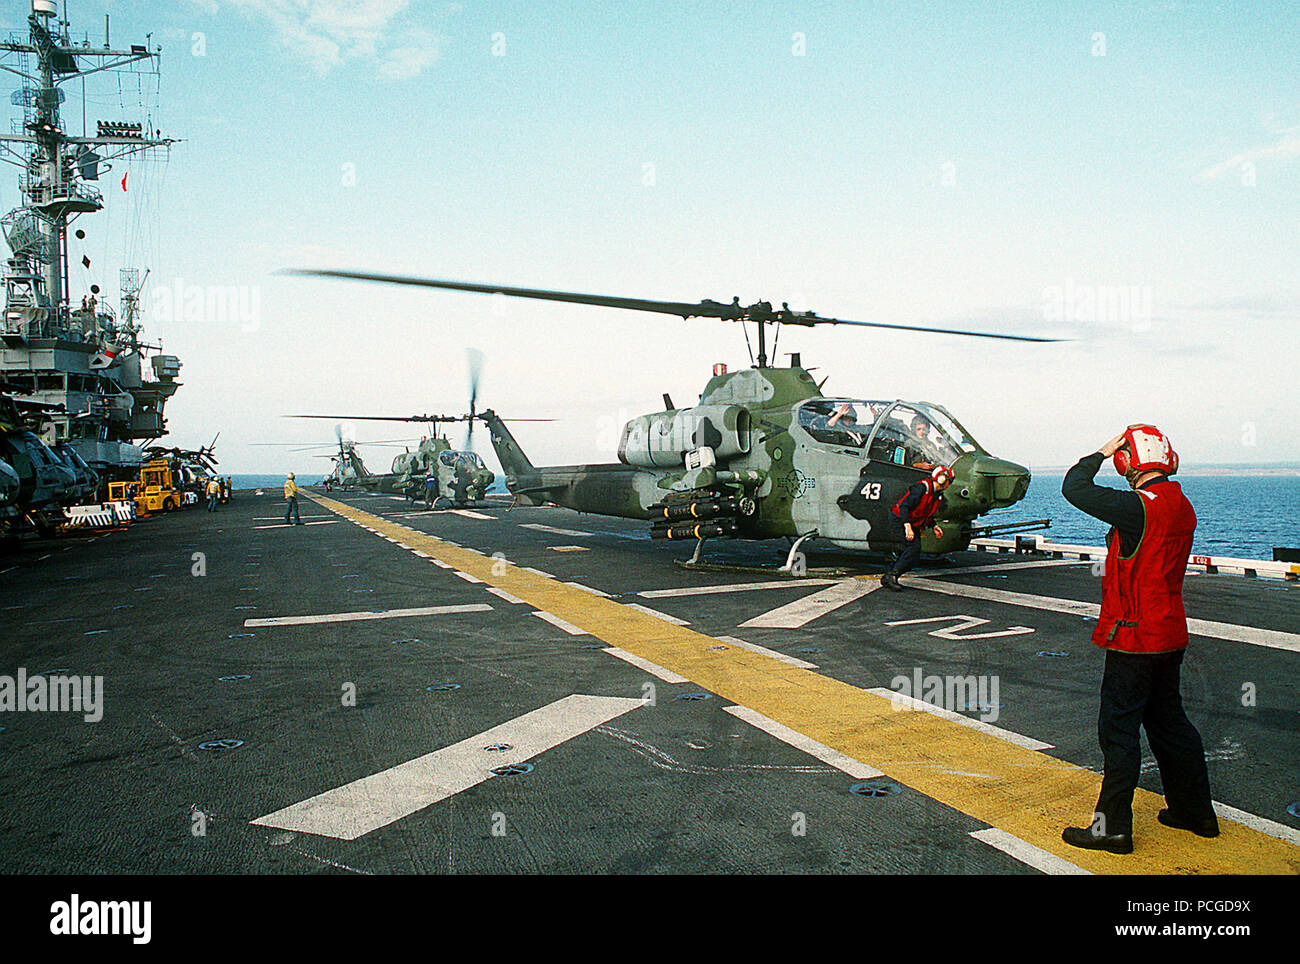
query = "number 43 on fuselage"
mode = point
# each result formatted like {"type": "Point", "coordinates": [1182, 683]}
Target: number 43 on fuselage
{"type": "Point", "coordinates": [764, 454]}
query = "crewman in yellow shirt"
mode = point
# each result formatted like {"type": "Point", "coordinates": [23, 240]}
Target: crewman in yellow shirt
{"type": "Point", "coordinates": [291, 500]}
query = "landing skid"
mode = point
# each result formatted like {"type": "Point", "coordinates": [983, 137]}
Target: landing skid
{"type": "Point", "coordinates": [796, 564]}
{"type": "Point", "coordinates": [759, 570]}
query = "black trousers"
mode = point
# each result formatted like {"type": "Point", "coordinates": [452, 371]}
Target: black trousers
{"type": "Point", "coordinates": [1142, 690]}
{"type": "Point", "coordinates": [911, 553]}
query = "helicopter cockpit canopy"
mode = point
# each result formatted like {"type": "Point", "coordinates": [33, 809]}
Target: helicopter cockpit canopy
{"type": "Point", "coordinates": [461, 461]}
{"type": "Point", "coordinates": [916, 434]}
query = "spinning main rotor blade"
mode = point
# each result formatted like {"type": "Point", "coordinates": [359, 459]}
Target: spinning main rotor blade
{"type": "Point", "coordinates": [407, 418]}
{"type": "Point", "coordinates": [389, 418]}
{"type": "Point", "coordinates": [759, 312]}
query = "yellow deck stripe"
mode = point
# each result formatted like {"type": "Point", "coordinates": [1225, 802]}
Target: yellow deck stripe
{"type": "Point", "coordinates": [1023, 792]}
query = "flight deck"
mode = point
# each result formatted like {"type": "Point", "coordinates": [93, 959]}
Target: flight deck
{"type": "Point", "coordinates": [388, 689]}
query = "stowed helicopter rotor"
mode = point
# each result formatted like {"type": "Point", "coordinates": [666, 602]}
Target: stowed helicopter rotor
{"type": "Point", "coordinates": [760, 312]}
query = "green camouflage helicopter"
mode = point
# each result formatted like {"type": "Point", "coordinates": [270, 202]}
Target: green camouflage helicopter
{"type": "Point", "coordinates": [764, 454]}
{"type": "Point", "coordinates": [459, 476]}
{"type": "Point", "coordinates": [435, 473]}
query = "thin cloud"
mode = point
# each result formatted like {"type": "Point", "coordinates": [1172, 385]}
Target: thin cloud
{"type": "Point", "coordinates": [325, 34]}
{"type": "Point", "coordinates": [1288, 146]}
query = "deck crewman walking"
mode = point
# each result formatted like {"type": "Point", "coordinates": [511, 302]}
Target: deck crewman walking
{"type": "Point", "coordinates": [1143, 628]}
{"type": "Point", "coordinates": [912, 513]}
{"type": "Point", "coordinates": [291, 500]}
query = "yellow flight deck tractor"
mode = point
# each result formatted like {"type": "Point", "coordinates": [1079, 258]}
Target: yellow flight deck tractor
{"type": "Point", "coordinates": [156, 490]}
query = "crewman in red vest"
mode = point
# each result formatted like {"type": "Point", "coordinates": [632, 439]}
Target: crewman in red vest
{"type": "Point", "coordinates": [1143, 628]}
{"type": "Point", "coordinates": [913, 512]}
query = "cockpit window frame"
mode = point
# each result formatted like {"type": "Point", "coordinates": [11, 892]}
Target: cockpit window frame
{"type": "Point", "coordinates": [923, 408]}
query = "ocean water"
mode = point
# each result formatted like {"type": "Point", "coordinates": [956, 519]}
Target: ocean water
{"type": "Point", "coordinates": [1238, 515]}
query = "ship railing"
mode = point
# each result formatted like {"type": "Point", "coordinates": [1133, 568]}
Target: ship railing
{"type": "Point", "coordinates": [1210, 565]}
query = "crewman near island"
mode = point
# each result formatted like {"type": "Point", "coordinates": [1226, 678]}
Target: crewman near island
{"type": "Point", "coordinates": [291, 500]}
{"type": "Point", "coordinates": [1143, 629]}
{"type": "Point", "coordinates": [912, 513]}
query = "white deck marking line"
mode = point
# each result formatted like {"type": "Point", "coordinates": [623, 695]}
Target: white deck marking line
{"type": "Point", "coordinates": [802, 611]}
{"type": "Point", "coordinates": [854, 768]}
{"type": "Point", "coordinates": [961, 622]}
{"type": "Point", "coordinates": [1027, 853]}
{"type": "Point", "coordinates": [537, 572]}
{"type": "Point", "coordinates": [468, 578]}
{"type": "Point", "coordinates": [357, 808]}
{"type": "Point", "coordinates": [1262, 824]}
{"type": "Point", "coordinates": [1028, 742]}
{"type": "Point", "coordinates": [287, 525]}
{"type": "Point", "coordinates": [502, 594]}
{"type": "Point", "coordinates": [538, 527]}
{"type": "Point", "coordinates": [594, 592]}
{"type": "Point", "coordinates": [654, 669]}
{"type": "Point", "coordinates": [735, 587]}
{"type": "Point", "coordinates": [1272, 638]}
{"type": "Point", "coordinates": [440, 564]}
{"type": "Point", "coordinates": [764, 651]}
{"type": "Point", "coordinates": [368, 614]}
{"type": "Point", "coordinates": [471, 514]}
{"type": "Point", "coordinates": [1004, 567]}
{"type": "Point", "coordinates": [657, 614]}
{"type": "Point", "coordinates": [421, 553]}
{"type": "Point", "coordinates": [556, 621]}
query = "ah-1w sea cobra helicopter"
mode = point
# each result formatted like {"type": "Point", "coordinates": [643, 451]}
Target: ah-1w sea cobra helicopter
{"type": "Point", "coordinates": [764, 454]}
{"type": "Point", "coordinates": [459, 477]}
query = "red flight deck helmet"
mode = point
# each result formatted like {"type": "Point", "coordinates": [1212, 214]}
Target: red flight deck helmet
{"type": "Point", "coordinates": [1145, 449]}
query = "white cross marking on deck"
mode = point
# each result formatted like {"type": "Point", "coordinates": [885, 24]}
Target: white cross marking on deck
{"type": "Point", "coordinates": [657, 614]}
{"type": "Point", "coordinates": [735, 587]}
{"type": "Point", "coordinates": [854, 768]}
{"type": "Point", "coordinates": [357, 808]}
{"type": "Point", "coordinates": [802, 611]}
{"type": "Point", "coordinates": [1027, 853]}
{"type": "Point", "coordinates": [287, 525]}
{"type": "Point", "coordinates": [963, 622]}
{"type": "Point", "coordinates": [539, 527]}
{"type": "Point", "coordinates": [764, 651]}
{"type": "Point", "coordinates": [905, 703]}
{"type": "Point", "coordinates": [654, 669]}
{"type": "Point", "coordinates": [1272, 638]}
{"type": "Point", "coordinates": [368, 614]}
{"type": "Point", "coordinates": [559, 623]}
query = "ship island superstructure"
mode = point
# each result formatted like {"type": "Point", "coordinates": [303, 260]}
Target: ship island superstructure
{"type": "Point", "coordinates": [85, 360]}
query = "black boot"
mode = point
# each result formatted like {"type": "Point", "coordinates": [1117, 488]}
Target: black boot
{"type": "Point", "coordinates": [1208, 827]}
{"type": "Point", "coordinates": [1116, 843]}
{"type": "Point", "coordinates": [890, 581]}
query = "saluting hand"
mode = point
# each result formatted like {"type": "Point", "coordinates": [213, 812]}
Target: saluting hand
{"type": "Point", "coordinates": [1113, 446]}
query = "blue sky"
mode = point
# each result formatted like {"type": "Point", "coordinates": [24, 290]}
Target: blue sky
{"type": "Point", "coordinates": [993, 165]}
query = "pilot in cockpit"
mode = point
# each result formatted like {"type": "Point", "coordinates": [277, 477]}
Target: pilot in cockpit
{"type": "Point", "coordinates": [918, 445]}
{"type": "Point", "coordinates": [845, 421]}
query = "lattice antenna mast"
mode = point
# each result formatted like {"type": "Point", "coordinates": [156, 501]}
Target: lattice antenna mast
{"type": "Point", "coordinates": [55, 166]}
